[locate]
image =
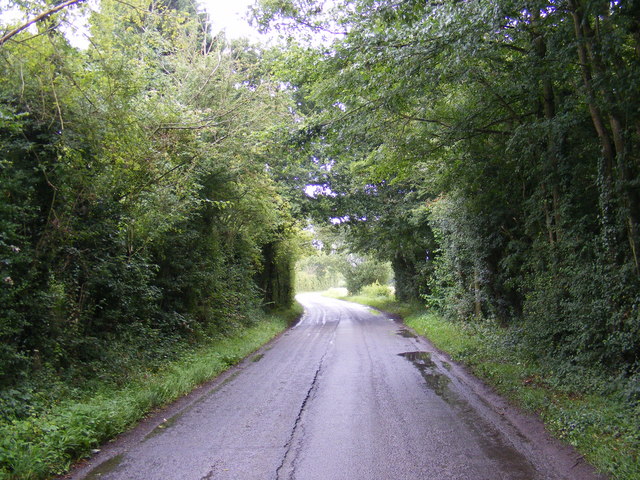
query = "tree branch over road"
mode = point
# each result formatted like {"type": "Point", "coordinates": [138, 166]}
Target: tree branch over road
{"type": "Point", "coordinates": [38, 18]}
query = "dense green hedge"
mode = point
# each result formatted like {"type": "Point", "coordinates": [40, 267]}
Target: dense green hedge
{"type": "Point", "coordinates": [136, 208]}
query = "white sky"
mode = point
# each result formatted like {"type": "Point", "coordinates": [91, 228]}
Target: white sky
{"type": "Point", "coordinates": [229, 15]}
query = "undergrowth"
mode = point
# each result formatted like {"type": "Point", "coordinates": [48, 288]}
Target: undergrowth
{"type": "Point", "coordinates": [597, 414]}
{"type": "Point", "coordinates": [63, 426]}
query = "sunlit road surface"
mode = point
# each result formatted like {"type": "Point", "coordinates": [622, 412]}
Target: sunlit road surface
{"type": "Point", "coordinates": [346, 394]}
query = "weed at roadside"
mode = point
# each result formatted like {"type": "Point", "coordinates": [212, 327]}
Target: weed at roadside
{"type": "Point", "coordinates": [41, 445]}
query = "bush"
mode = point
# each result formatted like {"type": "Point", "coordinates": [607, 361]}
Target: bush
{"type": "Point", "coordinates": [362, 271]}
{"type": "Point", "coordinates": [376, 290]}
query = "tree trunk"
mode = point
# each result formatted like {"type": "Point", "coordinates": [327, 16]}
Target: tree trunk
{"type": "Point", "coordinates": [477, 294]}
{"type": "Point", "coordinates": [548, 112]}
{"type": "Point", "coordinates": [616, 155]}
{"type": "Point", "coordinates": [605, 166]}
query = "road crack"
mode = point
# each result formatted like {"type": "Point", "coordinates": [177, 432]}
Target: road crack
{"type": "Point", "coordinates": [286, 469]}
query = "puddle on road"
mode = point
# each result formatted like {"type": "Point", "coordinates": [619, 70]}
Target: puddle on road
{"type": "Point", "coordinates": [511, 460]}
{"type": "Point", "coordinates": [435, 380]}
{"type": "Point", "coordinates": [421, 360]}
{"type": "Point", "coordinates": [403, 332]}
{"type": "Point", "coordinates": [105, 467]}
{"type": "Point", "coordinates": [487, 437]}
{"type": "Point", "coordinates": [439, 384]}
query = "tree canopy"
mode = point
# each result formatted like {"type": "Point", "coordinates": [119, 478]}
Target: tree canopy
{"type": "Point", "coordinates": [490, 149]}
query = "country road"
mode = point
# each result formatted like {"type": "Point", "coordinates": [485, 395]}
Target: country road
{"type": "Point", "coordinates": [347, 394]}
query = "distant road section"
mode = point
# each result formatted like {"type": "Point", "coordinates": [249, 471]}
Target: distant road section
{"type": "Point", "coordinates": [347, 394]}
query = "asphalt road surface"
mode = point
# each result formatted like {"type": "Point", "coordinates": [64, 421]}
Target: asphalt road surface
{"type": "Point", "coordinates": [347, 394]}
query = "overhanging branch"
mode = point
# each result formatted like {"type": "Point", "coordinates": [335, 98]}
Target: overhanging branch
{"type": "Point", "coordinates": [38, 18]}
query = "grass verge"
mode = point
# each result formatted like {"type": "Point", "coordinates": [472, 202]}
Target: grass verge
{"type": "Point", "coordinates": [42, 445]}
{"type": "Point", "coordinates": [379, 302]}
{"type": "Point", "coordinates": [598, 420]}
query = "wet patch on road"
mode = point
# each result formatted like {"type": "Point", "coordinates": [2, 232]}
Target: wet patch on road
{"type": "Point", "coordinates": [512, 461]}
{"type": "Point", "coordinates": [421, 360]}
{"type": "Point", "coordinates": [403, 332]}
{"type": "Point", "coordinates": [227, 380]}
{"type": "Point", "coordinates": [435, 380]}
{"type": "Point", "coordinates": [167, 423]}
{"type": "Point", "coordinates": [487, 437]}
{"type": "Point", "coordinates": [105, 467]}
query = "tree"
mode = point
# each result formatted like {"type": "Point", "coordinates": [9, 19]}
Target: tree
{"type": "Point", "coordinates": [137, 202]}
{"type": "Point", "coordinates": [514, 122]}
